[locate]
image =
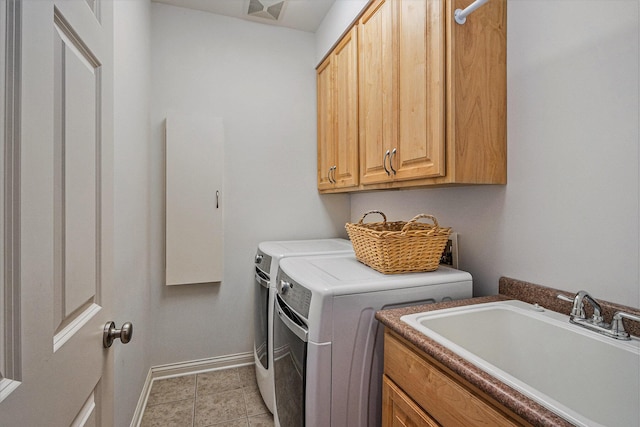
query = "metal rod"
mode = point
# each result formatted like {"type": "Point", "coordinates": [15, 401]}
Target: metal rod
{"type": "Point", "coordinates": [460, 15]}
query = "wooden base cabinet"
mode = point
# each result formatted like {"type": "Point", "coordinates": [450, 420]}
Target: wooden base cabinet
{"type": "Point", "coordinates": [419, 391]}
{"type": "Point", "coordinates": [399, 410]}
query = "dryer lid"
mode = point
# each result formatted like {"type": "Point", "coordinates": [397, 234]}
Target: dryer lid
{"type": "Point", "coordinates": [344, 274]}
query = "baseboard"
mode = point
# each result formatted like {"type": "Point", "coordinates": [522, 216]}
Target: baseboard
{"type": "Point", "coordinates": [172, 370]}
{"type": "Point", "coordinates": [203, 365]}
{"type": "Point", "coordinates": [142, 400]}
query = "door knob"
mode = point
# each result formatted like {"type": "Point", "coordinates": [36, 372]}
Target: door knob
{"type": "Point", "coordinates": [111, 333]}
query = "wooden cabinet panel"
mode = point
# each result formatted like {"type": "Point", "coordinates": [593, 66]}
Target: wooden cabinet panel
{"type": "Point", "coordinates": [337, 90]}
{"type": "Point", "coordinates": [446, 399]}
{"type": "Point", "coordinates": [477, 94]}
{"type": "Point", "coordinates": [398, 410]}
{"type": "Point", "coordinates": [421, 65]}
{"type": "Point", "coordinates": [346, 108]}
{"type": "Point", "coordinates": [402, 120]}
{"type": "Point", "coordinates": [326, 130]}
{"type": "Point", "coordinates": [376, 90]}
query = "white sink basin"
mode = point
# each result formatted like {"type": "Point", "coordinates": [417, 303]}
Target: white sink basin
{"type": "Point", "coordinates": [586, 378]}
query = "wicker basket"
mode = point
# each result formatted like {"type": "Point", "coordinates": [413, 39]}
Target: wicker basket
{"type": "Point", "coordinates": [398, 247]}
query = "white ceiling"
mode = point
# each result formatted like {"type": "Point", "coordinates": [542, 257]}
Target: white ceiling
{"type": "Point", "coordinates": [305, 15]}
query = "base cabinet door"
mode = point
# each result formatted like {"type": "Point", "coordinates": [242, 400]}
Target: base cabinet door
{"type": "Point", "coordinates": [398, 410]}
{"type": "Point", "coordinates": [421, 392]}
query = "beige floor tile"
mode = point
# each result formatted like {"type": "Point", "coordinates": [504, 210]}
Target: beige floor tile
{"type": "Point", "coordinates": [172, 414]}
{"type": "Point", "coordinates": [243, 422]}
{"type": "Point", "coordinates": [172, 389]}
{"type": "Point", "coordinates": [254, 402]}
{"type": "Point", "coordinates": [247, 375]}
{"type": "Point", "coordinates": [220, 407]}
{"type": "Point", "coordinates": [251, 387]}
{"type": "Point", "coordinates": [224, 398]}
{"type": "Point", "coordinates": [218, 381]}
{"type": "Point", "coordinates": [264, 420]}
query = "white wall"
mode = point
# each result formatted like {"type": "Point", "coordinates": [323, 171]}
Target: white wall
{"type": "Point", "coordinates": [260, 79]}
{"type": "Point", "coordinates": [131, 200]}
{"type": "Point", "coordinates": [337, 20]}
{"type": "Point", "coordinates": [568, 217]}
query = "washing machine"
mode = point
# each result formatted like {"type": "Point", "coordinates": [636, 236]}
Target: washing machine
{"type": "Point", "coordinates": [327, 343]}
{"type": "Point", "coordinates": [267, 260]}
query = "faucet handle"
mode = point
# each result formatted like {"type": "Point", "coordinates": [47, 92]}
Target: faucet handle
{"type": "Point", "coordinates": [564, 298]}
{"type": "Point", "coordinates": [617, 327]}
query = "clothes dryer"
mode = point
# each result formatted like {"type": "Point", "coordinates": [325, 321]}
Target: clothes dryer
{"type": "Point", "coordinates": [327, 342]}
{"type": "Point", "coordinates": [267, 260]}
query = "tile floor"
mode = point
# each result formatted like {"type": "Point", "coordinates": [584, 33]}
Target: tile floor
{"type": "Point", "coordinates": [223, 398]}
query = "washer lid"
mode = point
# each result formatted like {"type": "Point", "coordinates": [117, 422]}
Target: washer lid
{"type": "Point", "coordinates": [342, 274]}
{"type": "Point", "coordinates": [279, 249]}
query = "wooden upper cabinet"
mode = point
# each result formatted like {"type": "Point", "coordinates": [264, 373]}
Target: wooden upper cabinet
{"type": "Point", "coordinates": [337, 82]}
{"type": "Point", "coordinates": [430, 97]}
{"type": "Point", "coordinates": [401, 65]}
{"type": "Point", "coordinates": [420, 90]}
{"type": "Point", "coordinates": [326, 129]}
{"type": "Point", "coordinates": [378, 103]}
{"type": "Point", "coordinates": [476, 78]}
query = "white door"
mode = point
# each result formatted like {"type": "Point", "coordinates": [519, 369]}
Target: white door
{"type": "Point", "coordinates": [61, 213]}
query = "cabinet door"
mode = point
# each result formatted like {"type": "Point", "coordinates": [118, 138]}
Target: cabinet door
{"type": "Point", "coordinates": [449, 400]}
{"type": "Point", "coordinates": [398, 410]}
{"type": "Point", "coordinates": [194, 228]}
{"type": "Point", "coordinates": [345, 58]}
{"type": "Point", "coordinates": [376, 90]}
{"type": "Point", "coordinates": [420, 91]}
{"type": "Point", "coordinates": [324, 81]}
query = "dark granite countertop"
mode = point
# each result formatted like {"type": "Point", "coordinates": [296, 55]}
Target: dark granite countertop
{"type": "Point", "coordinates": [523, 406]}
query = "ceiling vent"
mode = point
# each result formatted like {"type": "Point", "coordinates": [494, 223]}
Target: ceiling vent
{"type": "Point", "coordinates": [267, 9]}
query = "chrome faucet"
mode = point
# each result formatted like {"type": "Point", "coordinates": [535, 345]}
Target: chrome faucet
{"type": "Point", "coordinates": [577, 311]}
{"type": "Point", "coordinates": [596, 323]}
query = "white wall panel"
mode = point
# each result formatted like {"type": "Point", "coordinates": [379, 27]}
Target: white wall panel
{"type": "Point", "coordinates": [337, 20]}
{"type": "Point", "coordinates": [132, 189]}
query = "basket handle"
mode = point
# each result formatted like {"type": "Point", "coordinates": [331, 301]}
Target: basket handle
{"type": "Point", "coordinates": [413, 220]}
{"type": "Point", "coordinates": [371, 212]}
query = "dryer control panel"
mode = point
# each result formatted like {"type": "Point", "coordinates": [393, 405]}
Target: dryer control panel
{"type": "Point", "coordinates": [295, 295]}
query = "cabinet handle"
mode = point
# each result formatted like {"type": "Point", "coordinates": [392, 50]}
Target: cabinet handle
{"type": "Point", "coordinates": [332, 177]}
{"type": "Point", "coordinates": [384, 162]}
{"type": "Point", "coordinates": [393, 153]}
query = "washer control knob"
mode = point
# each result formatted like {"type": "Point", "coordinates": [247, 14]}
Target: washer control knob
{"type": "Point", "coordinates": [285, 286]}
